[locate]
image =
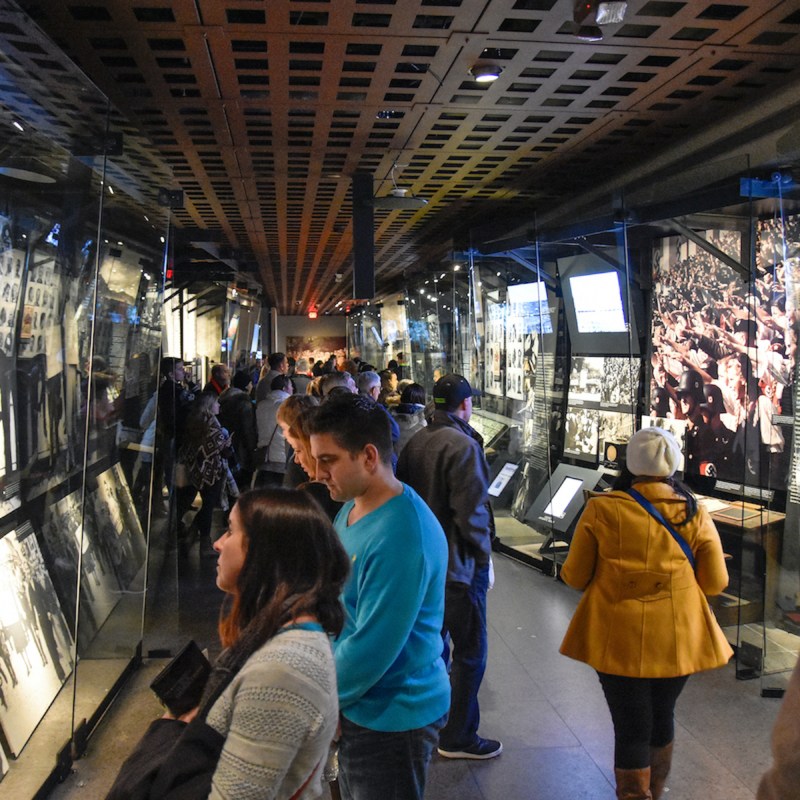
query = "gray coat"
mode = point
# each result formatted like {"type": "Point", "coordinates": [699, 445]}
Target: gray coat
{"type": "Point", "coordinates": [445, 464]}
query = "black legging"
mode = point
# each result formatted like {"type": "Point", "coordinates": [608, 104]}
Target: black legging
{"type": "Point", "coordinates": [211, 497]}
{"type": "Point", "coordinates": [642, 710]}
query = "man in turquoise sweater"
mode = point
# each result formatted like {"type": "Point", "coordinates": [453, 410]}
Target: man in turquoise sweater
{"type": "Point", "coordinates": [394, 692]}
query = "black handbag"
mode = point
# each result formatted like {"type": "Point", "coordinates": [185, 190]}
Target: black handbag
{"type": "Point", "coordinates": [179, 686]}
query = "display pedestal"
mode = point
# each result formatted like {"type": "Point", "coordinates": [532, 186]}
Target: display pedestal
{"type": "Point", "coordinates": [748, 610]}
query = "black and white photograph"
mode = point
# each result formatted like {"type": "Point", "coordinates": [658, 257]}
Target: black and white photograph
{"type": "Point", "coordinates": [495, 356]}
{"type": "Point", "coordinates": [528, 317]}
{"type": "Point", "coordinates": [117, 527]}
{"type": "Point", "coordinates": [35, 643]}
{"type": "Point", "coordinates": [515, 326]}
{"type": "Point", "coordinates": [11, 262]}
{"type": "Point", "coordinates": [615, 426]}
{"type": "Point", "coordinates": [66, 543]}
{"type": "Point", "coordinates": [581, 437]}
{"type": "Point", "coordinates": [620, 382]}
{"type": "Point", "coordinates": [586, 380]}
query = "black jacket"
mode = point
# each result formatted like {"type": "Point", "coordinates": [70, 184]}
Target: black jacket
{"type": "Point", "coordinates": [173, 761]}
{"type": "Point", "coordinates": [237, 413]}
{"type": "Point", "coordinates": [444, 463]}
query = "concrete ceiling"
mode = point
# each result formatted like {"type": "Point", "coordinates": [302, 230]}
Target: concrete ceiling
{"type": "Point", "coordinates": [262, 111]}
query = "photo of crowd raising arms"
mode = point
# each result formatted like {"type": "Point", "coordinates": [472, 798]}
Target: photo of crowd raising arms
{"type": "Point", "coordinates": [722, 354]}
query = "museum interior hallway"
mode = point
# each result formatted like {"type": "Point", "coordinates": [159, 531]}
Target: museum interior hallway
{"type": "Point", "coordinates": [548, 710]}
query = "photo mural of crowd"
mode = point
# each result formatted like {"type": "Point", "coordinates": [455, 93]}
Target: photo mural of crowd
{"type": "Point", "coordinates": [723, 354]}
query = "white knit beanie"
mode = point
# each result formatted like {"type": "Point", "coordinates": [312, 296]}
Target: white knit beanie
{"type": "Point", "coordinates": [653, 452]}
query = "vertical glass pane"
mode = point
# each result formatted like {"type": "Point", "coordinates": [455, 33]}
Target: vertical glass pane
{"type": "Point", "coordinates": [80, 322]}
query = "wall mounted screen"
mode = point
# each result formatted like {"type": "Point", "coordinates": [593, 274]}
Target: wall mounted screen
{"type": "Point", "coordinates": [596, 307]}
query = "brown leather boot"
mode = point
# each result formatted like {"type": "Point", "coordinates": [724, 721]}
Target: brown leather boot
{"type": "Point", "coordinates": [660, 763]}
{"type": "Point", "coordinates": [633, 784]}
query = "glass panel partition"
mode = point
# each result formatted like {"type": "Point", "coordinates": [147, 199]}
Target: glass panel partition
{"type": "Point", "coordinates": [81, 270]}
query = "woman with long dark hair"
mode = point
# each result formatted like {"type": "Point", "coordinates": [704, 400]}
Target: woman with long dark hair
{"type": "Point", "coordinates": [646, 555]}
{"type": "Point", "coordinates": [269, 710]}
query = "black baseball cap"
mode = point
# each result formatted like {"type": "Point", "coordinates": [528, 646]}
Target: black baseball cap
{"type": "Point", "coordinates": [451, 390]}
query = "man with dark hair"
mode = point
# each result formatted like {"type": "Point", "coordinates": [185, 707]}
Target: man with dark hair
{"type": "Point", "coordinates": [393, 688]}
{"type": "Point", "coordinates": [173, 406]}
{"type": "Point", "coordinates": [238, 414]}
{"type": "Point", "coordinates": [277, 364]}
{"type": "Point", "coordinates": [445, 463]}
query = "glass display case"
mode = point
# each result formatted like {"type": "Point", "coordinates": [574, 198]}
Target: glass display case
{"type": "Point", "coordinates": [81, 282]}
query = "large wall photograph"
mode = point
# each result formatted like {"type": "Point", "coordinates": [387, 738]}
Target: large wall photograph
{"type": "Point", "coordinates": [316, 348]}
{"type": "Point", "coordinates": [722, 357]}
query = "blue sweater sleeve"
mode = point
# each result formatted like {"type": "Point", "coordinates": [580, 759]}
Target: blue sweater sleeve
{"type": "Point", "coordinates": [390, 580]}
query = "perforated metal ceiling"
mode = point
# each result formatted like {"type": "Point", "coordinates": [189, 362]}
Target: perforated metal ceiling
{"type": "Point", "coordinates": [263, 111]}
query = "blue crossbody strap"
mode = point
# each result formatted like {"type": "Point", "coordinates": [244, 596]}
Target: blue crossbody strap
{"type": "Point", "coordinates": [659, 517]}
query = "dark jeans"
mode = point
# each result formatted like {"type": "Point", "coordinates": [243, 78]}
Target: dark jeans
{"type": "Point", "coordinates": [379, 765]}
{"type": "Point", "coordinates": [465, 622]}
{"type": "Point", "coordinates": [642, 710]}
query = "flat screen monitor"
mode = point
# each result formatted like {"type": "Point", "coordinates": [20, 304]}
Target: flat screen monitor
{"type": "Point", "coordinates": [503, 477]}
{"type": "Point", "coordinates": [596, 307]}
{"type": "Point", "coordinates": [561, 499]}
{"type": "Point", "coordinates": [233, 327]}
{"type": "Point", "coordinates": [557, 507]}
{"type": "Point", "coordinates": [491, 428]}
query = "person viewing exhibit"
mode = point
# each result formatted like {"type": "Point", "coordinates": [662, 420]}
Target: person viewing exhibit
{"type": "Point", "coordinates": [268, 711]}
{"type": "Point", "coordinates": [204, 453]}
{"type": "Point", "coordinates": [645, 556]}
{"type": "Point", "coordinates": [444, 462]}
{"type": "Point", "coordinates": [393, 689]}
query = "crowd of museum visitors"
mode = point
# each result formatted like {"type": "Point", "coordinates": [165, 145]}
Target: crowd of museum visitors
{"type": "Point", "coordinates": [355, 564]}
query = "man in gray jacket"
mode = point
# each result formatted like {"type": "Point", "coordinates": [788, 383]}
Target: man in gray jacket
{"type": "Point", "coordinates": [445, 464]}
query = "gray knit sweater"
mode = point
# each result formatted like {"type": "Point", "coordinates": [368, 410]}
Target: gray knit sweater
{"type": "Point", "coordinates": [278, 716]}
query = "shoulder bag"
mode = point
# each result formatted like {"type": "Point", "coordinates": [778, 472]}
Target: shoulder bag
{"type": "Point", "coordinates": [659, 517]}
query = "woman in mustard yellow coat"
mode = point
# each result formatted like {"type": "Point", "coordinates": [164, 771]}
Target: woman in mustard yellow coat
{"type": "Point", "coordinates": [644, 622]}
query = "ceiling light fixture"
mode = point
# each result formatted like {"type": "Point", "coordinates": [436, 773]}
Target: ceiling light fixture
{"type": "Point", "coordinates": [485, 73]}
{"type": "Point", "coordinates": [589, 33]}
{"type": "Point", "coordinates": [589, 13]}
{"type": "Point", "coordinates": [399, 198]}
